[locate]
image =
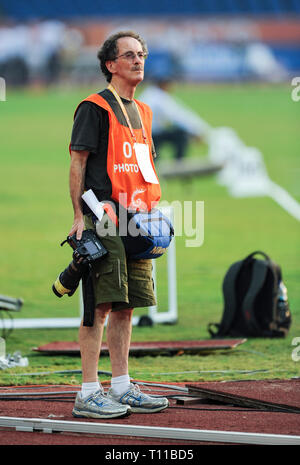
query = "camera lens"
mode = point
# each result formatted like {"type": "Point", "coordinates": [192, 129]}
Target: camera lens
{"type": "Point", "coordinates": [69, 279]}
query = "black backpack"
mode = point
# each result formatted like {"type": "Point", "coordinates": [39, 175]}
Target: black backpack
{"type": "Point", "coordinates": [255, 300]}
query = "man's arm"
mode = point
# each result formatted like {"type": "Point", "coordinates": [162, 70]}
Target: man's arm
{"type": "Point", "coordinates": [76, 184]}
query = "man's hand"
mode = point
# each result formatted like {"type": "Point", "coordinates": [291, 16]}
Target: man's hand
{"type": "Point", "coordinates": [77, 227]}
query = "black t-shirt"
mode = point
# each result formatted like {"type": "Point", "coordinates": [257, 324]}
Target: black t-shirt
{"type": "Point", "coordinates": [90, 133]}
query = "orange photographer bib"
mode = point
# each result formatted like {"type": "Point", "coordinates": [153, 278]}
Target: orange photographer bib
{"type": "Point", "coordinates": [130, 164]}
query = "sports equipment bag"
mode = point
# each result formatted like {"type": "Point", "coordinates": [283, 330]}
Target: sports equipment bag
{"type": "Point", "coordinates": [149, 234]}
{"type": "Point", "coordinates": [255, 300]}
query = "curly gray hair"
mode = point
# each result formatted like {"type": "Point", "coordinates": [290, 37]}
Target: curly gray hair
{"type": "Point", "coordinates": [109, 49]}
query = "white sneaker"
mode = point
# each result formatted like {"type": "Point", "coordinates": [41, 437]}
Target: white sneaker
{"type": "Point", "coordinates": [138, 401]}
{"type": "Point", "coordinates": [98, 405]}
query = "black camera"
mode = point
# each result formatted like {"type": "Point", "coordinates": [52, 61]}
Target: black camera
{"type": "Point", "coordinates": [87, 250]}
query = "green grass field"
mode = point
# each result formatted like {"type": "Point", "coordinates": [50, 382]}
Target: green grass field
{"type": "Point", "coordinates": [36, 216]}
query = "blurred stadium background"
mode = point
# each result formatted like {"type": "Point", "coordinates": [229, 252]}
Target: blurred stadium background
{"type": "Point", "coordinates": [197, 40]}
{"type": "Point", "coordinates": [234, 61]}
{"type": "Point", "coordinates": [51, 46]}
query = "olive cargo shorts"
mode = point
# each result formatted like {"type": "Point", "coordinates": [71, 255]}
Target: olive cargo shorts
{"type": "Point", "coordinates": [123, 282]}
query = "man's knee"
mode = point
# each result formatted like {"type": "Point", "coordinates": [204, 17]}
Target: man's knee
{"type": "Point", "coordinates": [122, 314]}
{"type": "Point", "coordinates": [102, 310]}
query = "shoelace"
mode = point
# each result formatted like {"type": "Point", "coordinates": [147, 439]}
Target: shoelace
{"type": "Point", "coordinates": [136, 389]}
{"type": "Point", "coordinates": [100, 393]}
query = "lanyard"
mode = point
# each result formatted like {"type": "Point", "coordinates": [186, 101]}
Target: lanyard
{"type": "Point", "coordinates": [113, 90]}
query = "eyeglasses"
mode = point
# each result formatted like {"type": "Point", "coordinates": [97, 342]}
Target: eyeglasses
{"type": "Point", "coordinates": [130, 56]}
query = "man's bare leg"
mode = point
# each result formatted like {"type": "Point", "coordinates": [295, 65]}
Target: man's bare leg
{"type": "Point", "coordinates": [92, 402]}
{"type": "Point", "coordinates": [90, 339]}
{"type": "Point", "coordinates": [118, 339]}
{"type": "Point", "coordinates": [118, 336]}
{"type": "Point", "coordinates": [122, 391]}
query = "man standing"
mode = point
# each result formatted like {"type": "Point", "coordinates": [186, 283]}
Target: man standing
{"type": "Point", "coordinates": [111, 139]}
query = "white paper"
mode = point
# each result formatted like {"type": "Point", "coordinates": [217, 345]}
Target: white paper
{"type": "Point", "coordinates": [94, 204]}
{"type": "Point", "coordinates": [143, 158]}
